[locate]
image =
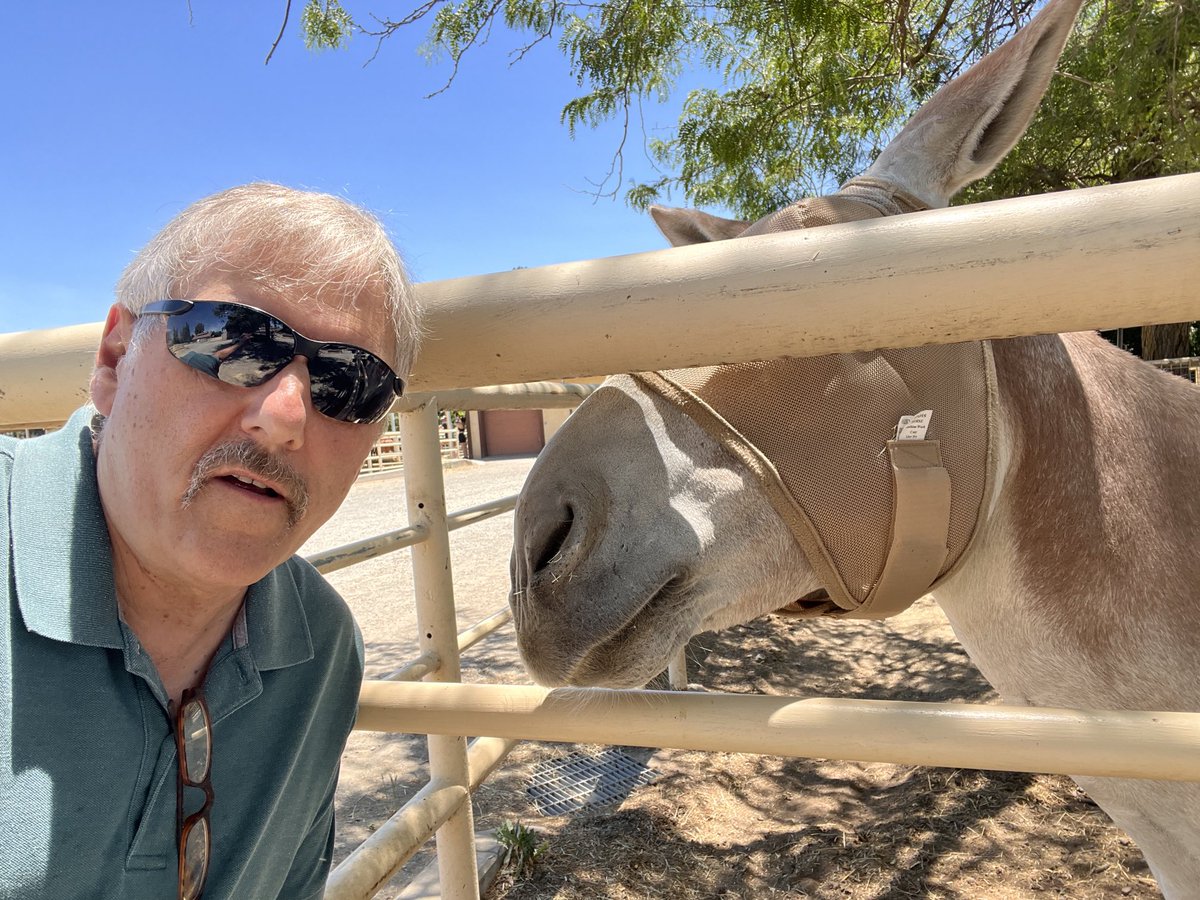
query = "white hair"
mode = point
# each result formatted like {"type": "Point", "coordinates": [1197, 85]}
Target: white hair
{"type": "Point", "coordinates": [285, 239]}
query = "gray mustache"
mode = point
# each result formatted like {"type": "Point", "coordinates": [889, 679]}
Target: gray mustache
{"type": "Point", "coordinates": [257, 462]}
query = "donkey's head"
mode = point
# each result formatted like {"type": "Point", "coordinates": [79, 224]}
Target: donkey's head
{"type": "Point", "coordinates": [640, 525]}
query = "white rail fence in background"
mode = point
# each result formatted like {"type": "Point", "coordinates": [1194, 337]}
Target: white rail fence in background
{"type": "Point", "coordinates": [386, 455]}
{"type": "Point", "coordinates": [1185, 366]}
{"type": "Point", "coordinates": [1099, 258]}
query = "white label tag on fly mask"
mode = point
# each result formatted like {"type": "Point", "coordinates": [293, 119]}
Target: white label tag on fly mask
{"type": "Point", "coordinates": [913, 428]}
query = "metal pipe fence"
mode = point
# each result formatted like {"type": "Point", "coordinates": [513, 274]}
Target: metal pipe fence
{"type": "Point", "coordinates": [1185, 367]}
{"type": "Point", "coordinates": [1089, 259]}
{"type": "Point", "coordinates": [443, 807]}
{"type": "Point", "coordinates": [1019, 739]}
{"type": "Point", "coordinates": [1106, 743]}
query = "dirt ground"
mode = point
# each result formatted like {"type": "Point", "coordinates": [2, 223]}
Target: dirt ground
{"type": "Point", "coordinates": [737, 826]}
{"type": "Point", "coordinates": [731, 825]}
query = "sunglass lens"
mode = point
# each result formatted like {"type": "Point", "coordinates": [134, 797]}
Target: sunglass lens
{"type": "Point", "coordinates": [253, 358]}
{"type": "Point", "coordinates": [238, 345]}
{"type": "Point", "coordinates": [195, 860]}
{"type": "Point", "coordinates": [245, 347]}
{"type": "Point", "coordinates": [350, 384]}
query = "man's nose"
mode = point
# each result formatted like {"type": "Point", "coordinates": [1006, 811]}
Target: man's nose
{"type": "Point", "coordinates": [279, 408]}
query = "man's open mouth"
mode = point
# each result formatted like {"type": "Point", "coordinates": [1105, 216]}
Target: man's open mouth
{"type": "Point", "coordinates": [245, 483]}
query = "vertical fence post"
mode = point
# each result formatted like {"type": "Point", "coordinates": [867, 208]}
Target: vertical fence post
{"type": "Point", "coordinates": [677, 670]}
{"type": "Point", "coordinates": [438, 632]}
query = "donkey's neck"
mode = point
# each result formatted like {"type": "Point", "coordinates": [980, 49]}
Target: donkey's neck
{"type": "Point", "coordinates": [1105, 474]}
{"type": "Point", "coordinates": [1090, 545]}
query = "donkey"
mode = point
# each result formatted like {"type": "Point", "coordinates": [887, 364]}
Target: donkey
{"type": "Point", "coordinates": [641, 525]}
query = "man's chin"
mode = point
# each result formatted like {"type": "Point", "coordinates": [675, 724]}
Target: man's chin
{"type": "Point", "coordinates": [238, 564]}
{"type": "Point", "coordinates": [246, 545]}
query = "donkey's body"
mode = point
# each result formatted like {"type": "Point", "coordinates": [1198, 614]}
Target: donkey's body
{"type": "Point", "coordinates": [1081, 591]}
{"type": "Point", "coordinates": [636, 529]}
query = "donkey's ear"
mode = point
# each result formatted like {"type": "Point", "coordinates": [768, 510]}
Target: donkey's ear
{"type": "Point", "coordinates": [691, 226]}
{"type": "Point", "coordinates": [970, 124]}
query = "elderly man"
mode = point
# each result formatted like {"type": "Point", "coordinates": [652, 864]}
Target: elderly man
{"type": "Point", "coordinates": [177, 687]}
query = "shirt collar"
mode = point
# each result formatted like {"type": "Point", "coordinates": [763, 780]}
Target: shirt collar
{"type": "Point", "coordinates": [276, 624]}
{"type": "Point", "coordinates": [62, 556]}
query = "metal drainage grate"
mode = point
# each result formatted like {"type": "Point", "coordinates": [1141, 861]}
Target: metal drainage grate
{"type": "Point", "coordinates": [575, 782]}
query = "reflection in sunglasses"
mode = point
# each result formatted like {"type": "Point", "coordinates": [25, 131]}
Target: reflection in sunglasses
{"type": "Point", "coordinates": [244, 346]}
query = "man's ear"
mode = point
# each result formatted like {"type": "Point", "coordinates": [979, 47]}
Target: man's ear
{"type": "Point", "coordinates": [114, 343]}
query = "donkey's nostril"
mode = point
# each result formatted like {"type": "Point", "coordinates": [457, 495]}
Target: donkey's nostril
{"type": "Point", "coordinates": [552, 541]}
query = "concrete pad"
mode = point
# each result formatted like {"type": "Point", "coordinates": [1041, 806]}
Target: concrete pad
{"type": "Point", "coordinates": [489, 857]}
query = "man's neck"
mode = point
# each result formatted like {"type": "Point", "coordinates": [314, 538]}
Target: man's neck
{"type": "Point", "coordinates": [180, 627]}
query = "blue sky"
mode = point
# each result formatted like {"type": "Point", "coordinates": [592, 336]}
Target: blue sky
{"type": "Point", "coordinates": [116, 116]}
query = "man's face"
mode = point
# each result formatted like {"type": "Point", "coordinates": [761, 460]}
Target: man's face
{"type": "Point", "coordinates": [174, 514]}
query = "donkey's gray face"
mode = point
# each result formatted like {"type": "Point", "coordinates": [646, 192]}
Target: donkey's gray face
{"type": "Point", "coordinates": [639, 532]}
{"type": "Point", "coordinates": [635, 529]}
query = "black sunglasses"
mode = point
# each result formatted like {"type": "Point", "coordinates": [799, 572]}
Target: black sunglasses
{"type": "Point", "coordinates": [244, 346]}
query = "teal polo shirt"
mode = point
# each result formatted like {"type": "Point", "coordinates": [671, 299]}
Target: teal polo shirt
{"type": "Point", "coordinates": [87, 759]}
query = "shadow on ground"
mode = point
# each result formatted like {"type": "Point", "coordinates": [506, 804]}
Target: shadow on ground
{"type": "Point", "coordinates": [740, 826]}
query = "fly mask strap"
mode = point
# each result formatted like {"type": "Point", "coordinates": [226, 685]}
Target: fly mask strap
{"type": "Point", "coordinates": [885, 197]}
{"type": "Point", "coordinates": [859, 199]}
{"type": "Point", "coordinates": [920, 528]}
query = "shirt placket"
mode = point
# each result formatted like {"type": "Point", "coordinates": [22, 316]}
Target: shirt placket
{"type": "Point", "coordinates": [151, 818]}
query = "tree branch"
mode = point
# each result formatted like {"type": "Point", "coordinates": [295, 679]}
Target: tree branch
{"type": "Point", "coordinates": [388, 27]}
{"type": "Point", "coordinates": [458, 54]}
{"type": "Point", "coordinates": [933, 35]}
{"type": "Point", "coordinates": [287, 11]}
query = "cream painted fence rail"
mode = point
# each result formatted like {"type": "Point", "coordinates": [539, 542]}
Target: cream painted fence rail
{"type": "Point", "coordinates": [1099, 258]}
{"type": "Point", "coordinates": [1115, 256]}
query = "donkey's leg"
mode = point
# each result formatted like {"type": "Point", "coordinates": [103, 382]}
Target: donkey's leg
{"type": "Point", "coordinates": [1163, 819]}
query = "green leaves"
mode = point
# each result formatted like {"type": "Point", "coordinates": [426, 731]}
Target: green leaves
{"type": "Point", "coordinates": [1124, 105]}
{"type": "Point", "coordinates": [523, 846]}
{"type": "Point", "coordinates": [623, 51]}
{"type": "Point", "coordinates": [806, 92]}
{"type": "Point", "coordinates": [325, 25]}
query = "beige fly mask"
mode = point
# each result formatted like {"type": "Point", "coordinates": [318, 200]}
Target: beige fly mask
{"type": "Point", "coordinates": [880, 463]}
